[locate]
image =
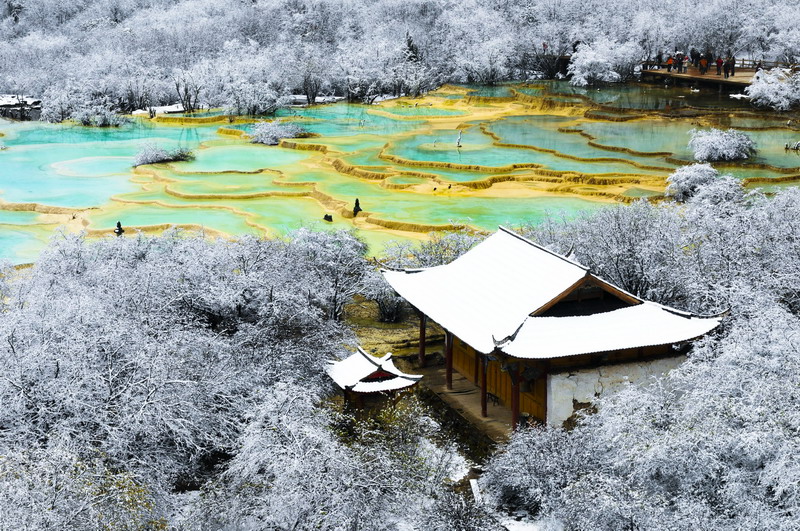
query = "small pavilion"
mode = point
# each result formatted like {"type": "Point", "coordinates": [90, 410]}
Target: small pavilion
{"type": "Point", "coordinates": [361, 374]}
{"type": "Point", "coordinates": [515, 314]}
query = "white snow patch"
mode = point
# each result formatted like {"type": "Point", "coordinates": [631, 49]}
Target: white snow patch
{"type": "Point", "coordinates": [8, 100]}
{"type": "Point", "coordinates": [522, 525]}
{"type": "Point", "coordinates": [164, 109]}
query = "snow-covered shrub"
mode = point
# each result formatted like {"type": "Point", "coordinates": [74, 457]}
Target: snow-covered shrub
{"type": "Point", "coordinates": [270, 133]}
{"type": "Point", "coordinates": [684, 182]}
{"type": "Point", "coordinates": [723, 189]}
{"type": "Point", "coordinates": [153, 154]}
{"type": "Point", "coordinates": [603, 61]}
{"type": "Point", "coordinates": [98, 116]}
{"type": "Point", "coordinates": [716, 144]}
{"type": "Point", "coordinates": [777, 88]}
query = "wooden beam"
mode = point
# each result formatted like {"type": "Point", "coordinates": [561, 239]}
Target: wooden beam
{"type": "Point", "coordinates": [484, 362]}
{"type": "Point", "coordinates": [423, 320]}
{"type": "Point", "coordinates": [448, 357]}
{"type": "Point", "coordinates": [562, 295]}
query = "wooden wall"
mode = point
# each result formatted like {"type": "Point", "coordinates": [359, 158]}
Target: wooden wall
{"type": "Point", "coordinates": [533, 398]}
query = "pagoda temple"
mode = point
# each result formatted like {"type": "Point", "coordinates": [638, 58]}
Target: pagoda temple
{"type": "Point", "coordinates": [517, 315]}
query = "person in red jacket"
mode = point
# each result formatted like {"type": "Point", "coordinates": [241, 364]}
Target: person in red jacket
{"type": "Point", "coordinates": [719, 66]}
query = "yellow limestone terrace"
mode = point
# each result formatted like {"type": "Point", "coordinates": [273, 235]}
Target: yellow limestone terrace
{"type": "Point", "coordinates": [515, 313]}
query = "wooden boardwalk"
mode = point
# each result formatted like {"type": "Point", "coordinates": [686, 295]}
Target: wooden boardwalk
{"type": "Point", "coordinates": [465, 399]}
{"type": "Point", "coordinates": [742, 78]}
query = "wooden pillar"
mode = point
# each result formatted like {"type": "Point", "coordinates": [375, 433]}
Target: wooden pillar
{"type": "Point", "coordinates": [514, 374]}
{"type": "Point", "coordinates": [484, 362]}
{"type": "Point", "coordinates": [475, 378]}
{"type": "Point", "coordinates": [423, 320]}
{"type": "Point", "coordinates": [448, 358]}
{"type": "Point", "coordinates": [545, 372]}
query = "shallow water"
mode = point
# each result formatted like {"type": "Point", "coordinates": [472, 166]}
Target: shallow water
{"type": "Point", "coordinates": [517, 163]}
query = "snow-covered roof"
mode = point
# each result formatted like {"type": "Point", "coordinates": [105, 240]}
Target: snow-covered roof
{"type": "Point", "coordinates": [164, 109]}
{"type": "Point", "coordinates": [364, 373]}
{"type": "Point", "coordinates": [642, 325]}
{"type": "Point", "coordinates": [488, 298]}
{"type": "Point", "coordinates": [7, 100]}
{"type": "Point", "coordinates": [489, 291]}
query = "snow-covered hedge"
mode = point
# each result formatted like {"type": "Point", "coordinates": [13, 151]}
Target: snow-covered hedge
{"type": "Point", "coordinates": [270, 133]}
{"type": "Point", "coordinates": [153, 154]}
{"type": "Point", "coordinates": [777, 88]}
{"type": "Point", "coordinates": [716, 144]}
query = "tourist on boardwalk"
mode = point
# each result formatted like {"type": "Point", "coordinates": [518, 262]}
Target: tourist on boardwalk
{"type": "Point", "coordinates": [679, 62]}
{"type": "Point", "coordinates": [719, 65]}
{"type": "Point", "coordinates": [733, 65]}
{"type": "Point", "coordinates": [670, 60]}
{"type": "Point", "coordinates": [659, 58]}
{"type": "Point", "coordinates": [695, 55]}
{"type": "Point", "coordinates": [727, 67]}
{"type": "Point", "coordinates": [703, 65]}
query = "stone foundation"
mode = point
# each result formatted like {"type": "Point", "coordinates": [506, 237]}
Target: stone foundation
{"type": "Point", "coordinates": [569, 391]}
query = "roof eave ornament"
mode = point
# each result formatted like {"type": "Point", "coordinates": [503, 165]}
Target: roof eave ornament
{"type": "Point", "coordinates": [508, 339]}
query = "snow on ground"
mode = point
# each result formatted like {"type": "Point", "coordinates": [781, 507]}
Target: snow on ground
{"type": "Point", "coordinates": [164, 109]}
{"type": "Point", "coordinates": [14, 99]}
{"type": "Point", "coordinates": [512, 525]}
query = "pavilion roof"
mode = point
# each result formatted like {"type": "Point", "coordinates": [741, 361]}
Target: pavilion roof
{"type": "Point", "coordinates": [642, 325]}
{"type": "Point", "coordinates": [364, 373]}
{"type": "Point", "coordinates": [489, 296]}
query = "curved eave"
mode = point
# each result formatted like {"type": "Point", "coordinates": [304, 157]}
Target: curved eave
{"type": "Point", "coordinates": [643, 325]}
{"type": "Point", "coordinates": [352, 373]}
{"type": "Point", "coordinates": [394, 384]}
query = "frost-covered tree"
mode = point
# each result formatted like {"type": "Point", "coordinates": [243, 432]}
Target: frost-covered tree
{"type": "Point", "coordinates": [684, 182]}
{"type": "Point", "coordinates": [604, 61]}
{"type": "Point", "coordinates": [140, 368]}
{"type": "Point", "coordinates": [271, 133]}
{"type": "Point", "coordinates": [777, 88]}
{"type": "Point", "coordinates": [716, 144]}
{"type": "Point", "coordinates": [153, 154]}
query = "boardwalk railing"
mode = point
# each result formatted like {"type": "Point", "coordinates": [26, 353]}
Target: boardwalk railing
{"type": "Point", "coordinates": [739, 63]}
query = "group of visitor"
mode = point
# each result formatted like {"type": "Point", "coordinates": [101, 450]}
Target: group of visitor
{"type": "Point", "coordinates": [679, 62]}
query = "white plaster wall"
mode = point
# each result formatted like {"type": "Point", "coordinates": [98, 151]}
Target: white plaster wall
{"type": "Point", "coordinates": [586, 384]}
